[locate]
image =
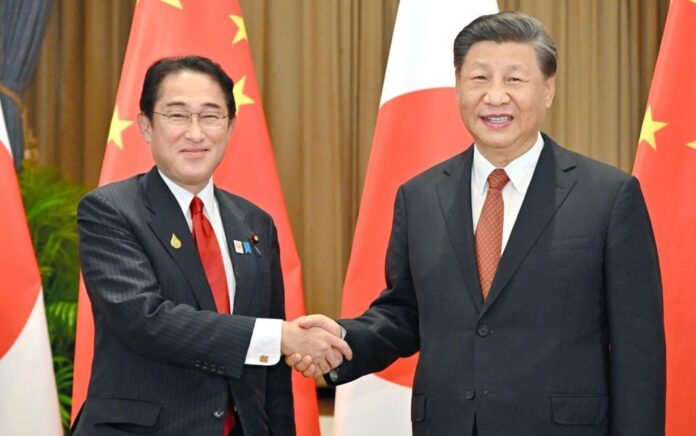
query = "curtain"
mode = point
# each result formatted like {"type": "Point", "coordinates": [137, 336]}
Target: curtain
{"type": "Point", "coordinates": [22, 25]}
{"type": "Point", "coordinates": [320, 67]}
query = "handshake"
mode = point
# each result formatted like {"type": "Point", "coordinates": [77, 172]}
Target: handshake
{"type": "Point", "coordinates": [313, 345]}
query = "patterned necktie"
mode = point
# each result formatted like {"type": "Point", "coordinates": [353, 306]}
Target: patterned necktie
{"type": "Point", "coordinates": [489, 231]}
{"type": "Point", "coordinates": [211, 258]}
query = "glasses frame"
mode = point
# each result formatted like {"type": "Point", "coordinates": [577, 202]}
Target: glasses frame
{"type": "Point", "coordinates": [189, 119]}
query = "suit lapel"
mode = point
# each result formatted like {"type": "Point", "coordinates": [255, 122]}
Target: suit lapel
{"type": "Point", "coordinates": [454, 193]}
{"type": "Point", "coordinates": [244, 264]}
{"type": "Point", "coordinates": [551, 183]}
{"type": "Point", "coordinates": [167, 221]}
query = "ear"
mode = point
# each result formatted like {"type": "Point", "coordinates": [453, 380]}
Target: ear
{"type": "Point", "coordinates": [230, 128]}
{"type": "Point", "coordinates": [549, 90]}
{"type": "Point", "coordinates": [456, 83]}
{"type": "Point", "coordinates": [145, 126]}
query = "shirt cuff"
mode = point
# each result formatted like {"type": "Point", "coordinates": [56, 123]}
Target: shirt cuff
{"type": "Point", "coordinates": [333, 374]}
{"type": "Point", "coordinates": [264, 348]}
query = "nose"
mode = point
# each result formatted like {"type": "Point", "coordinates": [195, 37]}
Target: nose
{"type": "Point", "coordinates": [194, 132]}
{"type": "Point", "coordinates": [496, 94]}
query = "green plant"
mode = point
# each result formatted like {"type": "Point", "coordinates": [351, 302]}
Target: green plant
{"type": "Point", "coordinates": [50, 202]}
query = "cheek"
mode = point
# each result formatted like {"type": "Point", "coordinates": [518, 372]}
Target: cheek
{"type": "Point", "coordinates": [467, 103]}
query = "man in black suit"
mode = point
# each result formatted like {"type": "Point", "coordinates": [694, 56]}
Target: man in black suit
{"type": "Point", "coordinates": [165, 257]}
{"type": "Point", "coordinates": [525, 274]}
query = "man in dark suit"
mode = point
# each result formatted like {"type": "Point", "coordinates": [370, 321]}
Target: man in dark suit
{"type": "Point", "coordinates": [166, 256]}
{"type": "Point", "coordinates": [525, 274]}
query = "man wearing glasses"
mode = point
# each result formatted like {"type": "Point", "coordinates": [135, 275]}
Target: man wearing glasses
{"type": "Point", "coordinates": [185, 281]}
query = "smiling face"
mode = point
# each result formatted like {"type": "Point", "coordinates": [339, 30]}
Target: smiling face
{"type": "Point", "coordinates": [187, 154]}
{"type": "Point", "coordinates": [503, 97]}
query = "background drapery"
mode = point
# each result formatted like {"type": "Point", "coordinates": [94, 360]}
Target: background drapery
{"type": "Point", "coordinates": [22, 25]}
{"type": "Point", "coordinates": [320, 67]}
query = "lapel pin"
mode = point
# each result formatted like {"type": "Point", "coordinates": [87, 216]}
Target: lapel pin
{"type": "Point", "coordinates": [254, 239]}
{"type": "Point", "coordinates": [176, 243]}
{"type": "Point", "coordinates": [238, 247]}
{"type": "Point", "coordinates": [247, 247]}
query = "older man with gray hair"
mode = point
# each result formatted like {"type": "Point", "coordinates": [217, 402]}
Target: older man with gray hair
{"type": "Point", "coordinates": [525, 274]}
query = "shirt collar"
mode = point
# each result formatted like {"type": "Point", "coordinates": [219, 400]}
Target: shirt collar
{"type": "Point", "coordinates": [520, 170]}
{"type": "Point", "coordinates": [184, 197]}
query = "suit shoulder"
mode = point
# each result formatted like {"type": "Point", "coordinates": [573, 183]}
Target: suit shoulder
{"type": "Point", "coordinates": [595, 170]}
{"type": "Point", "coordinates": [117, 191]}
{"type": "Point", "coordinates": [243, 204]}
{"type": "Point", "coordinates": [435, 172]}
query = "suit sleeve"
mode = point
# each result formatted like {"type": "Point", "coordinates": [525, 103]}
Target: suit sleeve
{"type": "Point", "coordinates": [389, 328]}
{"type": "Point", "coordinates": [634, 311]}
{"type": "Point", "coordinates": [125, 293]}
{"type": "Point", "coordinates": [279, 400]}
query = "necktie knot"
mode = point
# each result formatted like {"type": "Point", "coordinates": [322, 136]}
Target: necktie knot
{"type": "Point", "coordinates": [497, 179]}
{"type": "Point", "coordinates": [196, 206]}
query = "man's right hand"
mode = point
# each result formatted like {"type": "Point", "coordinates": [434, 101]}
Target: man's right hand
{"type": "Point", "coordinates": [313, 345]}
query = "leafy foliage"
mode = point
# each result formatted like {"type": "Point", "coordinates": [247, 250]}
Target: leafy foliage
{"type": "Point", "coordinates": [50, 203]}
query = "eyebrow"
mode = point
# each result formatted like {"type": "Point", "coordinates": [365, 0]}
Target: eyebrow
{"type": "Point", "coordinates": [181, 103]}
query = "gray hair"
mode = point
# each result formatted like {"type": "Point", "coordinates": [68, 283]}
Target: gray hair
{"type": "Point", "coordinates": [508, 26]}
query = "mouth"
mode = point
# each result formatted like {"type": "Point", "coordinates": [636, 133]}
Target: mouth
{"type": "Point", "coordinates": [194, 151]}
{"type": "Point", "coordinates": [497, 121]}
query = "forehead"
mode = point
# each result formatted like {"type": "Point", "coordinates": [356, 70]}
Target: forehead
{"type": "Point", "coordinates": [189, 88]}
{"type": "Point", "coordinates": [506, 55]}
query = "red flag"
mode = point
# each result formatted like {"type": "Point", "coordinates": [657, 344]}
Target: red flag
{"type": "Point", "coordinates": [214, 29]}
{"type": "Point", "coordinates": [418, 125]}
{"type": "Point", "coordinates": [666, 165]}
{"type": "Point", "coordinates": [28, 397]}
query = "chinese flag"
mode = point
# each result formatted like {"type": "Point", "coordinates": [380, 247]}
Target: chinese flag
{"type": "Point", "coordinates": [28, 397]}
{"type": "Point", "coordinates": [666, 166]}
{"type": "Point", "coordinates": [215, 29]}
{"type": "Point", "coordinates": [418, 125]}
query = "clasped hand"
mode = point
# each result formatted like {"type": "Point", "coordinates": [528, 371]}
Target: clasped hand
{"type": "Point", "coordinates": [313, 345]}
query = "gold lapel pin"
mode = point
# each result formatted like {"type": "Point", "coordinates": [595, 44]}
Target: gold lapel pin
{"type": "Point", "coordinates": [176, 243]}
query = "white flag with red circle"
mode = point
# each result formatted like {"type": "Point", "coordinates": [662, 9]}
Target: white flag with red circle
{"type": "Point", "coordinates": [28, 396]}
{"type": "Point", "coordinates": [418, 125]}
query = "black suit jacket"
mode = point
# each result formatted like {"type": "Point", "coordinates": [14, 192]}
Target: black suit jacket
{"type": "Point", "coordinates": [165, 362]}
{"type": "Point", "coordinates": [570, 340]}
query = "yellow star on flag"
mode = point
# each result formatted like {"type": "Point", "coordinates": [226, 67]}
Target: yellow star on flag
{"type": "Point", "coordinates": [692, 144]}
{"type": "Point", "coordinates": [239, 97]}
{"type": "Point", "coordinates": [241, 28]}
{"type": "Point", "coordinates": [650, 126]}
{"type": "Point", "coordinates": [117, 127]}
{"type": "Point", "coordinates": [175, 3]}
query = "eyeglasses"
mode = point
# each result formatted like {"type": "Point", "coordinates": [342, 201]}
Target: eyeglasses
{"type": "Point", "coordinates": [206, 119]}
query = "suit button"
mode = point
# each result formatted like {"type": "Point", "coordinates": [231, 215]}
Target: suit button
{"type": "Point", "coordinates": [197, 363]}
{"type": "Point", "coordinates": [470, 395]}
{"type": "Point", "coordinates": [213, 367]}
{"type": "Point", "coordinates": [218, 413]}
{"type": "Point", "coordinates": [483, 331]}
{"type": "Point", "coordinates": [221, 370]}
{"type": "Point", "coordinates": [205, 366]}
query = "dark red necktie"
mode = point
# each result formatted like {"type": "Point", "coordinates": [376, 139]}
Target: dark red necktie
{"type": "Point", "coordinates": [489, 231]}
{"type": "Point", "coordinates": [211, 258]}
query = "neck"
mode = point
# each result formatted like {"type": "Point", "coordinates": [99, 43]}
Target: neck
{"type": "Point", "coordinates": [501, 157]}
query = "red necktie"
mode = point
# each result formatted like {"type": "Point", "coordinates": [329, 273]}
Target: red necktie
{"type": "Point", "coordinates": [489, 231]}
{"type": "Point", "coordinates": [211, 258]}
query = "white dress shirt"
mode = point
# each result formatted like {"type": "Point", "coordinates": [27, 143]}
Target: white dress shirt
{"type": "Point", "coordinates": [520, 172]}
{"type": "Point", "coordinates": [264, 348]}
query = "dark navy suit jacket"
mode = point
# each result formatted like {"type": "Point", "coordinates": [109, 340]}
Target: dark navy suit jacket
{"type": "Point", "coordinates": [570, 341]}
{"type": "Point", "coordinates": [165, 362]}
